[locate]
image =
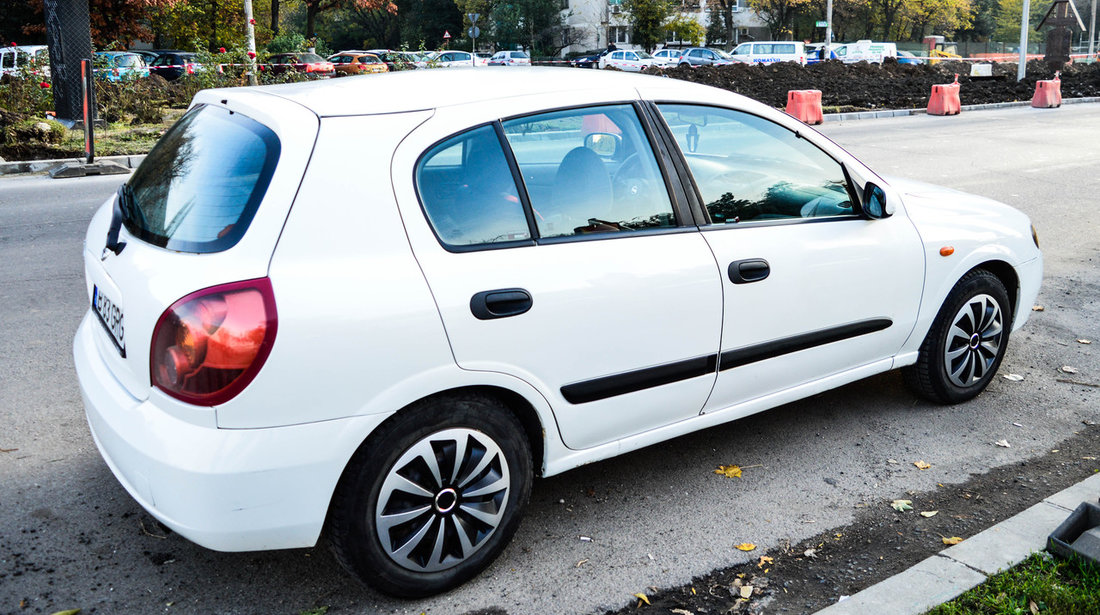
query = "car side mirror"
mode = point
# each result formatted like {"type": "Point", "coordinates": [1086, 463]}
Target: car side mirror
{"type": "Point", "coordinates": [874, 202]}
{"type": "Point", "coordinates": [603, 143]}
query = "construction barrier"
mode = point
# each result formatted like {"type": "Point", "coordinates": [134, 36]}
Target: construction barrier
{"type": "Point", "coordinates": [1048, 94]}
{"type": "Point", "coordinates": [805, 105]}
{"type": "Point", "coordinates": [945, 99]}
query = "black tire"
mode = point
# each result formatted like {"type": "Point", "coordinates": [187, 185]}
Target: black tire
{"type": "Point", "coordinates": [957, 363]}
{"type": "Point", "coordinates": [444, 426]}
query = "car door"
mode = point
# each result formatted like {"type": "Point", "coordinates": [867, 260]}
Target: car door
{"type": "Point", "coordinates": [580, 279]}
{"type": "Point", "coordinates": [812, 288]}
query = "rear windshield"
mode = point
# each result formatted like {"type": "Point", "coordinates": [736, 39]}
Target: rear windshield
{"type": "Point", "coordinates": [199, 188]}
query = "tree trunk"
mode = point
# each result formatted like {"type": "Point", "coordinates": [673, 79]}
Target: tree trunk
{"type": "Point", "coordinates": [731, 35]}
{"type": "Point", "coordinates": [275, 17]}
{"type": "Point", "coordinates": [311, 19]}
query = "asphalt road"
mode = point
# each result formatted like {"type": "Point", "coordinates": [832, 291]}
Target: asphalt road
{"type": "Point", "coordinates": [70, 536]}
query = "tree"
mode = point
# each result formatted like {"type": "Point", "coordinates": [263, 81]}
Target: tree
{"type": "Point", "coordinates": [111, 21]}
{"type": "Point", "coordinates": [535, 25]}
{"type": "Point", "coordinates": [684, 28]}
{"type": "Point", "coordinates": [425, 21]}
{"type": "Point", "coordinates": [779, 14]}
{"type": "Point", "coordinates": [316, 7]}
{"type": "Point", "coordinates": [1008, 17]}
{"type": "Point", "coordinates": [647, 21]}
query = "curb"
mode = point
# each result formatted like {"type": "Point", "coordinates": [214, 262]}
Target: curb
{"type": "Point", "coordinates": [949, 573]}
{"type": "Point", "coordinates": [40, 166]}
{"type": "Point", "coordinates": [870, 115]}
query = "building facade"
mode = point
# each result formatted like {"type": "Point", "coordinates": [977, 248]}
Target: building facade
{"type": "Point", "coordinates": [596, 24]}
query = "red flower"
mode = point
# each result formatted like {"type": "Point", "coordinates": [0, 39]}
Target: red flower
{"type": "Point", "coordinates": [221, 49]}
{"type": "Point", "coordinates": [251, 54]}
{"type": "Point", "coordinates": [45, 85]}
{"type": "Point", "coordinates": [252, 21]}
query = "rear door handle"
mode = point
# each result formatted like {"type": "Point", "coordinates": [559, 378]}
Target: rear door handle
{"type": "Point", "coordinates": [500, 303]}
{"type": "Point", "coordinates": [749, 270]}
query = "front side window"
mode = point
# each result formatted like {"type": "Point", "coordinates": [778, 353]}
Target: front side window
{"type": "Point", "coordinates": [751, 169]}
{"type": "Point", "coordinates": [589, 171]}
{"type": "Point", "coordinates": [743, 50]}
{"type": "Point", "coordinates": [468, 192]}
{"type": "Point", "coordinates": [202, 183]}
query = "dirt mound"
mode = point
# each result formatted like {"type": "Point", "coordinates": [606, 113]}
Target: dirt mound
{"type": "Point", "coordinates": [887, 86]}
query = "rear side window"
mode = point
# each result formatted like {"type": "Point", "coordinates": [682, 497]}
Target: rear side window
{"type": "Point", "coordinates": [199, 188]}
{"type": "Point", "coordinates": [468, 192]}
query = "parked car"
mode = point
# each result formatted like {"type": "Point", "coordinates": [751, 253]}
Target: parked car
{"type": "Point", "coordinates": [275, 346]}
{"type": "Point", "coordinates": [704, 56]}
{"type": "Point", "coordinates": [119, 65]}
{"type": "Point", "coordinates": [174, 64]}
{"type": "Point", "coordinates": [35, 58]}
{"type": "Point", "coordinates": [150, 54]}
{"type": "Point", "coordinates": [817, 52]}
{"type": "Point", "coordinates": [310, 63]}
{"type": "Point", "coordinates": [355, 63]}
{"type": "Point", "coordinates": [447, 59]}
{"type": "Point", "coordinates": [905, 57]}
{"type": "Point", "coordinates": [510, 58]}
{"type": "Point", "coordinates": [669, 57]}
{"type": "Point", "coordinates": [396, 60]}
{"type": "Point", "coordinates": [591, 60]}
{"type": "Point", "coordinates": [769, 52]}
{"type": "Point", "coordinates": [629, 60]}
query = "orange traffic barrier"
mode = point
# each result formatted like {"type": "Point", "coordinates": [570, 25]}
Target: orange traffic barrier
{"type": "Point", "coordinates": [805, 105]}
{"type": "Point", "coordinates": [945, 99]}
{"type": "Point", "coordinates": [1048, 94]}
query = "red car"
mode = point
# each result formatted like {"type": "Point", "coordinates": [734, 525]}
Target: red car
{"type": "Point", "coordinates": [301, 62]}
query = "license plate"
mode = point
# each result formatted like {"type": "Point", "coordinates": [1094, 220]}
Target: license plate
{"type": "Point", "coordinates": [110, 316]}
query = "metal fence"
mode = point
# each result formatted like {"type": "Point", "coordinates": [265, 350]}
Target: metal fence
{"type": "Point", "coordinates": [68, 35]}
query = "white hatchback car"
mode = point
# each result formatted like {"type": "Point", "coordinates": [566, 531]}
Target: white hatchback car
{"type": "Point", "coordinates": [632, 61]}
{"type": "Point", "coordinates": [290, 333]}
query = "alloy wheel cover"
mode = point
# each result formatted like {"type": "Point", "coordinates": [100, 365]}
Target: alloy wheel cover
{"type": "Point", "coordinates": [973, 341]}
{"type": "Point", "coordinates": [442, 500]}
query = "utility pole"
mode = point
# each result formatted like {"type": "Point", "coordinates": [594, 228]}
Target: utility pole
{"type": "Point", "coordinates": [829, 27]}
{"type": "Point", "coordinates": [1092, 33]}
{"type": "Point", "coordinates": [250, 24]}
{"type": "Point", "coordinates": [1022, 68]}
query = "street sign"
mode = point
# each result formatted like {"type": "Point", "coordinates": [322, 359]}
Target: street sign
{"type": "Point", "coordinates": [823, 24]}
{"type": "Point", "coordinates": [474, 32]}
{"type": "Point", "coordinates": [473, 17]}
{"type": "Point", "coordinates": [447, 34]}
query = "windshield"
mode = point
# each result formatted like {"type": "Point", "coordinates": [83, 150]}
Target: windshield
{"type": "Point", "coordinates": [310, 57]}
{"type": "Point", "coordinates": [643, 55]}
{"type": "Point", "coordinates": [722, 54]}
{"type": "Point", "coordinates": [200, 186]}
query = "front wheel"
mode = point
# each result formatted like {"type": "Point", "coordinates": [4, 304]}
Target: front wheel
{"type": "Point", "coordinates": [966, 343]}
{"type": "Point", "coordinates": [433, 496]}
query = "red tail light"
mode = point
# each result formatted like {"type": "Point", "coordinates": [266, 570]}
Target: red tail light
{"type": "Point", "coordinates": [210, 344]}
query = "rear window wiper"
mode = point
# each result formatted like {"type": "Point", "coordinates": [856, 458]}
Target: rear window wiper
{"type": "Point", "coordinates": [124, 205]}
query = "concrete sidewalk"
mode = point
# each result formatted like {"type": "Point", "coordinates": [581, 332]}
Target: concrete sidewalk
{"type": "Point", "coordinates": [42, 166]}
{"type": "Point", "coordinates": [954, 570]}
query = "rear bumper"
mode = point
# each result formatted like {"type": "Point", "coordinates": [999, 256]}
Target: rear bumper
{"type": "Point", "coordinates": [224, 489]}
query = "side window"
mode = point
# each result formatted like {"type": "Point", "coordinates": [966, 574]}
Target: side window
{"type": "Point", "coordinates": [468, 192]}
{"type": "Point", "coordinates": [748, 168]}
{"type": "Point", "coordinates": [632, 56]}
{"type": "Point", "coordinates": [696, 53]}
{"type": "Point", "coordinates": [783, 49]}
{"type": "Point", "coordinates": [590, 171]}
{"type": "Point", "coordinates": [743, 50]}
{"type": "Point", "coordinates": [762, 49]}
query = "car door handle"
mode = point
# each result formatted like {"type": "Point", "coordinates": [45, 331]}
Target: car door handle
{"type": "Point", "coordinates": [500, 303]}
{"type": "Point", "coordinates": [749, 270]}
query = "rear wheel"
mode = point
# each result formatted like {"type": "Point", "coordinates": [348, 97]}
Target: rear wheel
{"type": "Point", "coordinates": [966, 343]}
{"type": "Point", "coordinates": [433, 496]}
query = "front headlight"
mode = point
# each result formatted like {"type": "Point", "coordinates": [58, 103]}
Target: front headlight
{"type": "Point", "coordinates": [1034, 235]}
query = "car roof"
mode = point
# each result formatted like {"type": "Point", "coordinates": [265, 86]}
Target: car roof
{"type": "Point", "coordinates": [417, 90]}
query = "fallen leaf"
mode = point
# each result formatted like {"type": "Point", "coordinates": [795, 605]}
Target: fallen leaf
{"type": "Point", "coordinates": [1003, 443]}
{"type": "Point", "coordinates": [729, 471]}
{"type": "Point", "coordinates": [581, 563]}
{"type": "Point", "coordinates": [1069, 370]}
{"type": "Point", "coordinates": [1089, 458]}
{"type": "Point", "coordinates": [1084, 341]}
{"type": "Point", "coordinates": [1034, 608]}
{"type": "Point", "coordinates": [928, 514]}
{"type": "Point", "coordinates": [764, 559]}
{"type": "Point", "coordinates": [641, 598]}
{"type": "Point", "coordinates": [954, 540]}
{"type": "Point", "coordinates": [682, 612]}
{"type": "Point", "coordinates": [922, 465]}
{"type": "Point", "coordinates": [893, 461]}
{"type": "Point", "coordinates": [746, 591]}
{"type": "Point", "coordinates": [811, 553]}
{"type": "Point", "coordinates": [838, 535]}
{"type": "Point", "coordinates": [1013, 377]}
{"type": "Point", "coordinates": [1037, 308]}
{"type": "Point", "coordinates": [902, 505]}
{"type": "Point", "coordinates": [68, 612]}
{"type": "Point", "coordinates": [746, 546]}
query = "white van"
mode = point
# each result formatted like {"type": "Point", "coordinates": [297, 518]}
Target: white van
{"type": "Point", "coordinates": [866, 51]}
{"type": "Point", "coordinates": [12, 59]}
{"type": "Point", "coordinates": [768, 52]}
